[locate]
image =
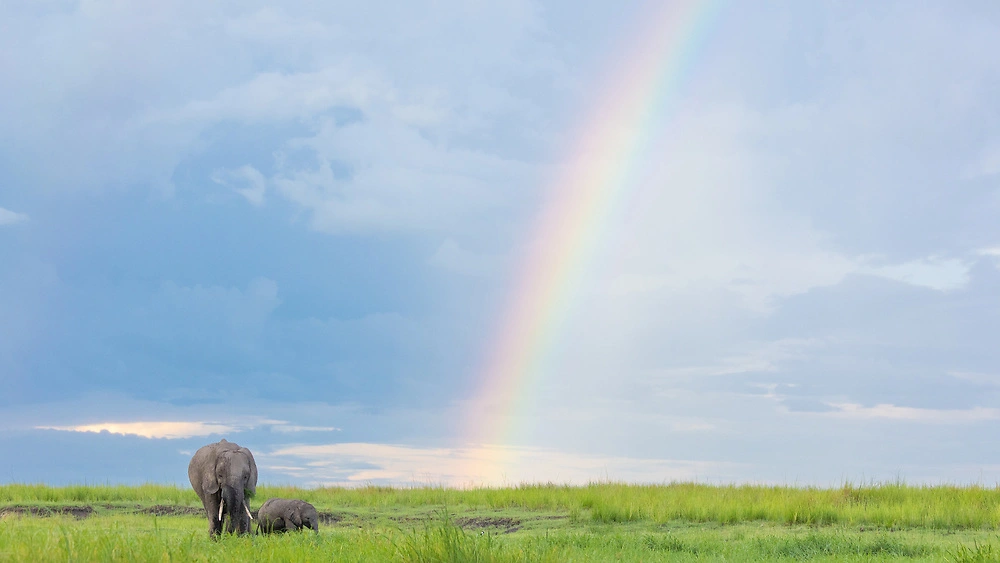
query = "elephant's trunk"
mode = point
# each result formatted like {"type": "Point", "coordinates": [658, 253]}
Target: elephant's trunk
{"type": "Point", "coordinates": [233, 501]}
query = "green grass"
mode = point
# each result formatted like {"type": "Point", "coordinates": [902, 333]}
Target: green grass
{"type": "Point", "coordinates": [599, 522]}
{"type": "Point", "coordinates": [881, 505]}
{"type": "Point", "coordinates": [84, 494]}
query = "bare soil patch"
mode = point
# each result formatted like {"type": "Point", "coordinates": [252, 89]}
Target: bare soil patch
{"type": "Point", "coordinates": [78, 512]}
{"type": "Point", "coordinates": [507, 524]}
{"type": "Point", "coordinates": [330, 518]}
{"type": "Point", "coordinates": [85, 511]}
{"type": "Point", "coordinates": [174, 510]}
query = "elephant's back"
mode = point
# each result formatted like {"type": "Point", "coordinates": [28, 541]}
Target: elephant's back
{"type": "Point", "coordinates": [199, 459]}
{"type": "Point", "coordinates": [270, 504]}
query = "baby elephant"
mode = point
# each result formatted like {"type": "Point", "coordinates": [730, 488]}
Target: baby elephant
{"type": "Point", "coordinates": [282, 515]}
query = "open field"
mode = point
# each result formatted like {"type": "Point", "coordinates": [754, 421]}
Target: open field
{"type": "Point", "coordinates": [599, 522]}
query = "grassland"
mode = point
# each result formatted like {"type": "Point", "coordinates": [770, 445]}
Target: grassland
{"type": "Point", "coordinates": [599, 522]}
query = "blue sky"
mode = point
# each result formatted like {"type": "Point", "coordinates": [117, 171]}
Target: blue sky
{"type": "Point", "coordinates": [297, 227]}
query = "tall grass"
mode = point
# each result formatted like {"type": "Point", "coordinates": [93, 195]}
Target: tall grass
{"type": "Point", "coordinates": [130, 538]}
{"type": "Point", "coordinates": [184, 538]}
{"type": "Point", "coordinates": [882, 505]}
{"type": "Point", "coordinates": [885, 505]}
{"type": "Point", "coordinates": [890, 505]}
{"type": "Point", "coordinates": [150, 493]}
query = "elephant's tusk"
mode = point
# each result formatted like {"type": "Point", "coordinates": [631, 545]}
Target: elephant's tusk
{"type": "Point", "coordinates": [221, 504]}
{"type": "Point", "coordinates": [247, 508]}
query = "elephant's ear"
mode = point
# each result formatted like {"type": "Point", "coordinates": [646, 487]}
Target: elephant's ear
{"type": "Point", "coordinates": [292, 515]}
{"type": "Point", "coordinates": [209, 484]}
{"type": "Point", "coordinates": [251, 488]}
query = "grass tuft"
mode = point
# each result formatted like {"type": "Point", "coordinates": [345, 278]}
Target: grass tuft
{"type": "Point", "coordinates": [978, 553]}
{"type": "Point", "coordinates": [444, 542]}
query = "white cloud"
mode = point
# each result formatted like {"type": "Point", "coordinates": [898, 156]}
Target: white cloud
{"type": "Point", "coordinates": [274, 96]}
{"type": "Point", "coordinates": [992, 253]}
{"type": "Point", "coordinates": [887, 411]}
{"type": "Point", "coordinates": [764, 357]}
{"type": "Point", "coordinates": [187, 429]}
{"type": "Point", "coordinates": [443, 69]}
{"type": "Point", "coordinates": [942, 274]}
{"type": "Point", "coordinates": [694, 224]}
{"type": "Point", "coordinates": [286, 428]}
{"type": "Point", "coordinates": [360, 463]}
{"type": "Point", "coordinates": [162, 429]}
{"type": "Point", "coordinates": [245, 180]}
{"type": "Point", "coordinates": [990, 379]}
{"type": "Point", "coordinates": [420, 185]}
{"type": "Point", "coordinates": [8, 217]}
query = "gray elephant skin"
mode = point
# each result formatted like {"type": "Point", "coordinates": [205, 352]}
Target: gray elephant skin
{"type": "Point", "coordinates": [224, 475]}
{"type": "Point", "coordinates": [282, 515]}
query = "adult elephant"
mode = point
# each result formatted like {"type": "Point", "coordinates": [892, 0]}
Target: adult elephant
{"type": "Point", "coordinates": [224, 475]}
{"type": "Point", "coordinates": [283, 515]}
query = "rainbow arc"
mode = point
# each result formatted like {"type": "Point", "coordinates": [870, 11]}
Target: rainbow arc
{"type": "Point", "coordinates": [611, 144]}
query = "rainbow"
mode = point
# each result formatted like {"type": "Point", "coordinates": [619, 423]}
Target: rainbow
{"type": "Point", "coordinates": [595, 180]}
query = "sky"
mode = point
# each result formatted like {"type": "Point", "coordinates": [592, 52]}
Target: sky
{"type": "Point", "coordinates": [306, 229]}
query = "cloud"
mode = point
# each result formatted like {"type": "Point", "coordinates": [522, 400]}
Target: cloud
{"type": "Point", "coordinates": [349, 464]}
{"type": "Point", "coordinates": [993, 253]}
{"type": "Point", "coordinates": [357, 186]}
{"type": "Point", "coordinates": [172, 430]}
{"type": "Point", "coordinates": [942, 274]}
{"type": "Point", "coordinates": [766, 357]}
{"type": "Point", "coordinates": [245, 180]}
{"type": "Point", "coordinates": [913, 414]}
{"type": "Point", "coordinates": [800, 233]}
{"type": "Point", "coordinates": [8, 217]}
{"type": "Point", "coordinates": [164, 429]}
{"type": "Point", "coordinates": [986, 165]}
{"type": "Point", "coordinates": [692, 224]}
{"type": "Point", "coordinates": [441, 69]}
{"type": "Point", "coordinates": [278, 96]}
{"type": "Point", "coordinates": [453, 258]}
{"type": "Point", "coordinates": [231, 309]}
{"type": "Point", "coordinates": [978, 378]}
{"type": "Point", "coordinates": [285, 428]}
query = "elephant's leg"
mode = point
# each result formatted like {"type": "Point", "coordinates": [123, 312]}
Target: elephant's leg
{"type": "Point", "coordinates": [212, 503]}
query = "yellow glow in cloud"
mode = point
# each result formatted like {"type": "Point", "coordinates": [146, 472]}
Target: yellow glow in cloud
{"type": "Point", "coordinates": [169, 430]}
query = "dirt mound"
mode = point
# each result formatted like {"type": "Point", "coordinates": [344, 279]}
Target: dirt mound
{"type": "Point", "coordinates": [481, 522]}
{"type": "Point", "coordinates": [78, 512]}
